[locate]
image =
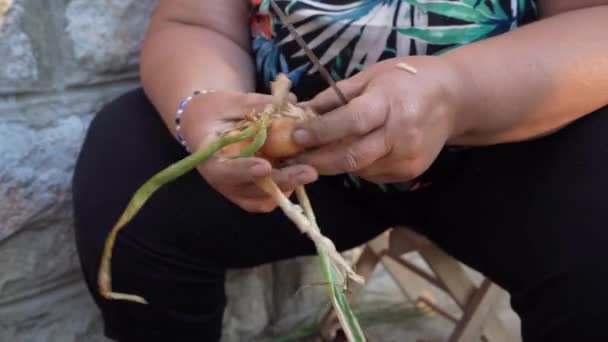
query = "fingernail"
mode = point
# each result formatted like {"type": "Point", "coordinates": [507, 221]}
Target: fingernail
{"type": "Point", "coordinates": [301, 136]}
{"type": "Point", "coordinates": [305, 177]}
{"type": "Point", "coordinates": [258, 170]}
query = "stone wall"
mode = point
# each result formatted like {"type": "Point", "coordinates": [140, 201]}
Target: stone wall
{"type": "Point", "coordinates": [60, 60]}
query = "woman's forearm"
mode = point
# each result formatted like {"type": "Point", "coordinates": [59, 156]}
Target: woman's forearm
{"type": "Point", "coordinates": [179, 58]}
{"type": "Point", "coordinates": [533, 80]}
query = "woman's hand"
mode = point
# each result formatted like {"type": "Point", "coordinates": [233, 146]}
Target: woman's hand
{"type": "Point", "coordinates": [394, 125]}
{"type": "Point", "coordinates": [205, 119]}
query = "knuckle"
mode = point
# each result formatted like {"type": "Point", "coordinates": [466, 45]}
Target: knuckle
{"type": "Point", "coordinates": [353, 84]}
{"type": "Point", "coordinates": [365, 104]}
{"type": "Point", "coordinates": [317, 129]}
{"type": "Point", "coordinates": [359, 121]}
{"type": "Point", "coordinates": [406, 122]}
{"type": "Point", "coordinates": [415, 141]}
{"type": "Point", "coordinates": [373, 105]}
{"type": "Point", "coordinates": [410, 110]}
{"type": "Point", "coordinates": [351, 161]}
{"type": "Point", "coordinates": [388, 144]}
{"type": "Point", "coordinates": [349, 86]}
{"type": "Point", "coordinates": [342, 85]}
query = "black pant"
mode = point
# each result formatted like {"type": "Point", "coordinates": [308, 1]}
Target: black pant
{"type": "Point", "coordinates": [532, 216]}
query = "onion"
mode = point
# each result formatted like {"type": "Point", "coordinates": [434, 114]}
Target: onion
{"type": "Point", "coordinates": [279, 143]}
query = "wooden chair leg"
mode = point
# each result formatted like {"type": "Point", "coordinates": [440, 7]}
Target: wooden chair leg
{"type": "Point", "coordinates": [450, 274]}
{"type": "Point", "coordinates": [452, 277]}
{"type": "Point", "coordinates": [373, 253]}
{"type": "Point", "coordinates": [478, 321]}
{"type": "Point", "coordinates": [408, 281]}
{"type": "Point", "coordinates": [463, 290]}
{"type": "Point", "coordinates": [472, 325]}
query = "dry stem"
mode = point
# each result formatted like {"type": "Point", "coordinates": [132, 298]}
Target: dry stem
{"type": "Point", "coordinates": [305, 203]}
{"type": "Point", "coordinates": [309, 228]}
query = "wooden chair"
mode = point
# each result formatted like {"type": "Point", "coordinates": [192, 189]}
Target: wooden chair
{"type": "Point", "coordinates": [477, 320]}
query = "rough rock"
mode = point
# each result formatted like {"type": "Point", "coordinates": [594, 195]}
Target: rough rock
{"type": "Point", "coordinates": [40, 286]}
{"type": "Point", "coordinates": [61, 61]}
{"type": "Point", "coordinates": [16, 52]}
{"type": "Point", "coordinates": [106, 37]}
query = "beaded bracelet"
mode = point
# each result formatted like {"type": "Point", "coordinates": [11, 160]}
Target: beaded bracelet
{"type": "Point", "coordinates": [180, 111]}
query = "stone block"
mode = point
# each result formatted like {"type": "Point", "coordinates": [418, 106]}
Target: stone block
{"type": "Point", "coordinates": [42, 297]}
{"type": "Point", "coordinates": [19, 67]}
{"type": "Point", "coordinates": [105, 37]}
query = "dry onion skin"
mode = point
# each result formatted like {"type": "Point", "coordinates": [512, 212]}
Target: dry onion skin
{"type": "Point", "coordinates": [279, 143]}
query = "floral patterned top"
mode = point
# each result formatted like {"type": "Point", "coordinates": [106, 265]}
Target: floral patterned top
{"type": "Point", "coordinates": [349, 35]}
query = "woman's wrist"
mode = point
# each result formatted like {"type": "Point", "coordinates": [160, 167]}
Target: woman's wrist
{"type": "Point", "coordinates": [183, 105]}
{"type": "Point", "coordinates": [209, 115]}
{"type": "Point", "coordinates": [463, 98]}
{"type": "Point", "coordinates": [455, 91]}
{"type": "Point", "coordinates": [198, 114]}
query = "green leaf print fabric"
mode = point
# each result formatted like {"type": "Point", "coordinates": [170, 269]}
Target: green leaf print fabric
{"type": "Point", "coordinates": [349, 36]}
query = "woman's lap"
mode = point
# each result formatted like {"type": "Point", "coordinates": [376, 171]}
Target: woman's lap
{"type": "Point", "coordinates": [176, 250]}
{"type": "Point", "coordinates": [528, 215]}
{"type": "Point", "coordinates": [532, 217]}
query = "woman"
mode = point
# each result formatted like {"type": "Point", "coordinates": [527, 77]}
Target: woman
{"type": "Point", "coordinates": [523, 202]}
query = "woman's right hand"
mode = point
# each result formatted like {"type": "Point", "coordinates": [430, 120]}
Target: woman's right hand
{"type": "Point", "coordinates": [204, 120]}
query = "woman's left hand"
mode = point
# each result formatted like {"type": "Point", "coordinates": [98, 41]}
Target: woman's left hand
{"type": "Point", "coordinates": [394, 125]}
